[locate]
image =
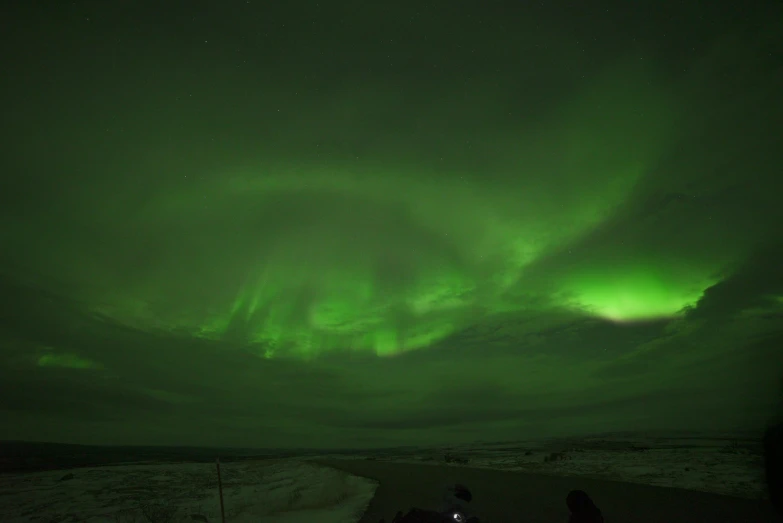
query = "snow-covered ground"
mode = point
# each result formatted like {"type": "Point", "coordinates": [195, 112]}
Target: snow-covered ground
{"type": "Point", "coordinates": [298, 490]}
{"type": "Point", "coordinates": [270, 491]}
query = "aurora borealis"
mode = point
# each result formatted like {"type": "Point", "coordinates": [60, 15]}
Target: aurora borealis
{"type": "Point", "coordinates": [346, 225]}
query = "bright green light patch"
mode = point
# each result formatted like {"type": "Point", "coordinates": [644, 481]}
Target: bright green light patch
{"type": "Point", "coordinates": [636, 296]}
{"type": "Point", "coordinates": [69, 361]}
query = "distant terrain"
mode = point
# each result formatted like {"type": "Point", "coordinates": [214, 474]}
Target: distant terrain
{"type": "Point", "coordinates": [27, 456]}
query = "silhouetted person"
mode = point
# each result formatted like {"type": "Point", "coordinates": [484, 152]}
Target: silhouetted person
{"type": "Point", "coordinates": [582, 508]}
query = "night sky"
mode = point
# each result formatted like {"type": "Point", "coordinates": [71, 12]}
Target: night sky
{"type": "Point", "coordinates": [352, 223]}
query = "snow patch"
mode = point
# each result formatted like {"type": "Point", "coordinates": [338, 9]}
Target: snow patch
{"type": "Point", "coordinates": [285, 491]}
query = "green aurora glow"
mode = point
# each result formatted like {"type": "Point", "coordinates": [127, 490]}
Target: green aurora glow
{"type": "Point", "coordinates": [402, 259]}
{"type": "Point", "coordinates": [564, 218]}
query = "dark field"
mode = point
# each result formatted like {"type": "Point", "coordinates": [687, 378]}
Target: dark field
{"type": "Point", "coordinates": [504, 496]}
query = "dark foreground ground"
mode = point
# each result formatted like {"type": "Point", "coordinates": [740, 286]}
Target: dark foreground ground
{"type": "Point", "coordinates": [503, 496]}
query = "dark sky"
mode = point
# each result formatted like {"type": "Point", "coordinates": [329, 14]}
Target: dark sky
{"type": "Point", "coordinates": [254, 223]}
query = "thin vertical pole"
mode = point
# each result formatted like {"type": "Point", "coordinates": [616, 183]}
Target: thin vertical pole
{"type": "Point", "coordinates": [220, 490]}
